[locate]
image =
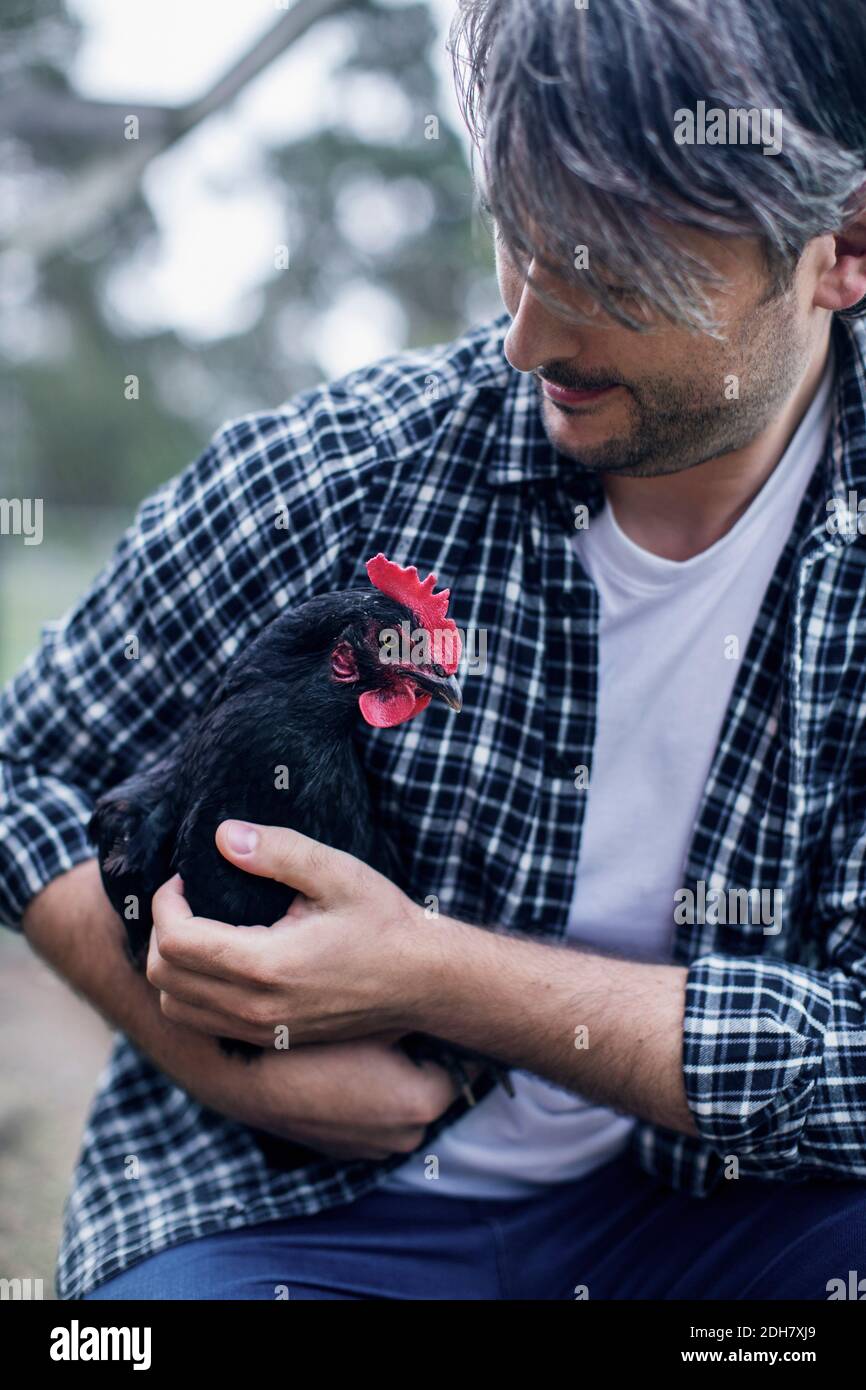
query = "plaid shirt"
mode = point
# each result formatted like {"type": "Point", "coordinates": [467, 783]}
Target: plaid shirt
{"type": "Point", "coordinates": [439, 459]}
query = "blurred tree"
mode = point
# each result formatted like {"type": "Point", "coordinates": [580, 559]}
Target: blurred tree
{"type": "Point", "coordinates": [365, 210]}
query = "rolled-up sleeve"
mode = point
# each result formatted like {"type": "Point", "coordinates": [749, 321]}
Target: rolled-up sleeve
{"type": "Point", "coordinates": [774, 1052]}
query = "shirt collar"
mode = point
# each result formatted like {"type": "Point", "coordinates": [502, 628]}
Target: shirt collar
{"type": "Point", "coordinates": [844, 460]}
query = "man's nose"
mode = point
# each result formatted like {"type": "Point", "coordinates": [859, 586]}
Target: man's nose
{"type": "Point", "coordinates": [537, 334]}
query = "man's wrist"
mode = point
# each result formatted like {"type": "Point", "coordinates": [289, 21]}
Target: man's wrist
{"type": "Point", "coordinates": [442, 968]}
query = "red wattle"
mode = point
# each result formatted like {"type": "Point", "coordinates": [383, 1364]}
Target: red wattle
{"type": "Point", "coordinates": [393, 705]}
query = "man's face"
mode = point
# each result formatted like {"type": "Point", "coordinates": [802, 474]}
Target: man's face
{"type": "Point", "coordinates": [665, 400]}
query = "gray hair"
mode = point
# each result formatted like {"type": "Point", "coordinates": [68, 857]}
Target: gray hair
{"type": "Point", "coordinates": [572, 112]}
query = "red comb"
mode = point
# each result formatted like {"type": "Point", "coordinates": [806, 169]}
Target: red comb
{"type": "Point", "coordinates": [417, 595]}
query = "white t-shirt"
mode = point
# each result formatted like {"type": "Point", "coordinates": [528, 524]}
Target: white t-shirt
{"type": "Point", "coordinates": [666, 674]}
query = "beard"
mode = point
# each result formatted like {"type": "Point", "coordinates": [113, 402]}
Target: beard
{"type": "Point", "coordinates": [678, 422]}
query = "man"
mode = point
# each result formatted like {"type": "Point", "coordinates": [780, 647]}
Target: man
{"type": "Point", "coordinates": [642, 486]}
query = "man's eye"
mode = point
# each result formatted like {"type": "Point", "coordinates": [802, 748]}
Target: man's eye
{"type": "Point", "coordinates": [631, 301]}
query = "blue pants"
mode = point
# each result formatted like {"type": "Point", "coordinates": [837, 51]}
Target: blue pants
{"type": "Point", "coordinates": [614, 1234]}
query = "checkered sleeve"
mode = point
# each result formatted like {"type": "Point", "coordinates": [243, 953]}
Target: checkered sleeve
{"type": "Point", "coordinates": [775, 1052]}
{"type": "Point", "coordinates": [66, 723]}
{"type": "Point", "coordinates": [251, 525]}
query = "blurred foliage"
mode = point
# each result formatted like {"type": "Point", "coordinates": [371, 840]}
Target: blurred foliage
{"type": "Point", "coordinates": [72, 438]}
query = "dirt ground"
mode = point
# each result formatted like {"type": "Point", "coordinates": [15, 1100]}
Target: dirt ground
{"type": "Point", "coordinates": [53, 1047]}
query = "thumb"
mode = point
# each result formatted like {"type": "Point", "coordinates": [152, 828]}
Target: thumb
{"type": "Point", "coordinates": [272, 851]}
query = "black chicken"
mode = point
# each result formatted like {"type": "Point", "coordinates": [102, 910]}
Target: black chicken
{"type": "Point", "coordinates": [275, 746]}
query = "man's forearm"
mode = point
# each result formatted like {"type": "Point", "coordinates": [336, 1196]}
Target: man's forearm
{"type": "Point", "coordinates": [73, 926]}
{"type": "Point", "coordinates": [355, 1100]}
{"type": "Point", "coordinates": [606, 1028]}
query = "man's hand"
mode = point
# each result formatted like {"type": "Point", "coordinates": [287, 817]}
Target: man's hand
{"type": "Point", "coordinates": [357, 1100]}
{"type": "Point", "coordinates": [354, 957]}
{"type": "Point", "coordinates": [329, 970]}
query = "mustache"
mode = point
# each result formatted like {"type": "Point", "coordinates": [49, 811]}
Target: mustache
{"type": "Point", "coordinates": [572, 381]}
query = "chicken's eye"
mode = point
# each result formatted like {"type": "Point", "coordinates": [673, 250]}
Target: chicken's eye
{"type": "Point", "coordinates": [440, 671]}
{"type": "Point", "coordinates": [344, 667]}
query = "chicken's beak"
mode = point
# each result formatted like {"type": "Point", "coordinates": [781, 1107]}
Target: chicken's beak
{"type": "Point", "coordinates": [446, 688]}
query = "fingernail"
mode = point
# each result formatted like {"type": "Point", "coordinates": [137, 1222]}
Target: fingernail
{"type": "Point", "coordinates": [241, 838]}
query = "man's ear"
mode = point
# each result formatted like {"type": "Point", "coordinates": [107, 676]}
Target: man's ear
{"type": "Point", "coordinates": [843, 284]}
